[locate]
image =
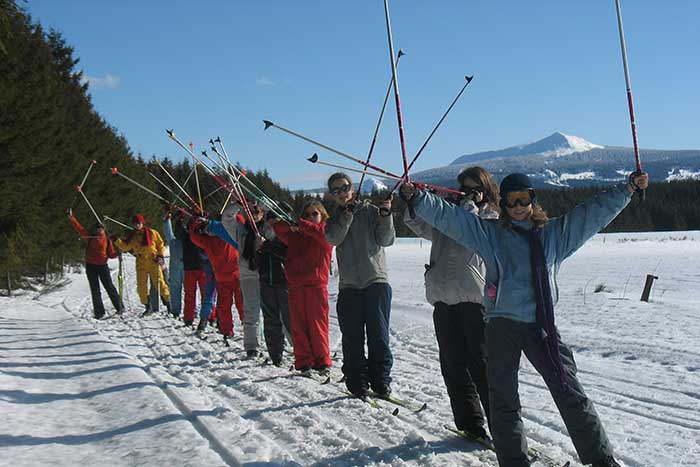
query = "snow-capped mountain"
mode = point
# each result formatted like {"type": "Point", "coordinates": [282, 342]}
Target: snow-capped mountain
{"type": "Point", "coordinates": [555, 145]}
{"type": "Point", "coordinates": [370, 184]}
{"type": "Point", "coordinates": [567, 161]}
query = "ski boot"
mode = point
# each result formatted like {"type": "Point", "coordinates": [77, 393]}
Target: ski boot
{"type": "Point", "coordinates": [608, 461]}
{"type": "Point", "coordinates": [201, 329]}
{"type": "Point", "coordinates": [148, 311]}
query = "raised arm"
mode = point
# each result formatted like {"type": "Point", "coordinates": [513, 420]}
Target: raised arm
{"type": "Point", "coordinates": [315, 231]}
{"type": "Point", "coordinates": [78, 227]}
{"type": "Point", "coordinates": [217, 228]}
{"type": "Point", "coordinates": [574, 228]}
{"type": "Point", "coordinates": [384, 233]}
{"type": "Point", "coordinates": [464, 227]}
{"type": "Point", "coordinates": [168, 230]}
{"type": "Point", "coordinates": [337, 226]}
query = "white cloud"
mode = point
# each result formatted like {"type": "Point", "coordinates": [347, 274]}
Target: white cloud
{"type": "Point", "coordinates": [264, 81]}
{"type": "Point", "coordinates": [108, 81]}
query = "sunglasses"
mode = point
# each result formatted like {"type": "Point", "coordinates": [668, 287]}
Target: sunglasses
{"type": "Point", "coordinates": [469, 191]}
{"type": "Point", "coordinates": [312, 214]}
{"type": "Point", "coordinates": [515, 198]}
{"type": "Point", "coordinates": [341, 189]}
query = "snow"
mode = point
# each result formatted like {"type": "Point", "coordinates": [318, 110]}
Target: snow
{"type": "Point", "coordinates": [75, 391]}
{"type": "Point", "coordinates": [371, 183]}
{"type": "Point", "coordinates": [682, 174]}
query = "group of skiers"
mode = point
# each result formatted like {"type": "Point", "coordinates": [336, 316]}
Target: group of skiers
{"type": "Point", "coordinates": [491, 279]}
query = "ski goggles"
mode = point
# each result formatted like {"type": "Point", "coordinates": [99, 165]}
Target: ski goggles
{"type": "Point", "coordinates": [341, 189]}
{"type": "Point", "coordinates": [522, 198]}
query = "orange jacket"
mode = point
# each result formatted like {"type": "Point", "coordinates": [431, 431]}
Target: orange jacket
{"type": "Point", "coordinates": [97, 249]}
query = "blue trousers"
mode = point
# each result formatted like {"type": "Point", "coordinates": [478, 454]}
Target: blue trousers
{"type": "Point", "coordinates": [209, 290]}
{"type": "Point", "coordinates": [366, 312]}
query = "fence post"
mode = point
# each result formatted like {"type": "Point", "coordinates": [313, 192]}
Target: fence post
{"type": "Point", "coordinates": [46, 272]}
{"type": "Point", "coordinates": [9, 284]}
{"type": "Point", "coordinates": [647, 287]}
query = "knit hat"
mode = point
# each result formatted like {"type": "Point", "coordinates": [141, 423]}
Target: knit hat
{"type": "Point", "coordinates": [138, 219]}
{"type": "Point", "coordinates": [515, 182]}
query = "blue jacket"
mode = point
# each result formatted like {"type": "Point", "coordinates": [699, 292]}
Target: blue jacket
{"type": "Point", "coordinates": [175, 246]}
{"type": "Point", "coordinates": [218, 229]}
{"type": "Point", "coordinates": [507, 254]}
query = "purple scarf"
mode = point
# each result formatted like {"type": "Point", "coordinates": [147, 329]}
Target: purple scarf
{"type": "Point", "coordinates": [545, 307]}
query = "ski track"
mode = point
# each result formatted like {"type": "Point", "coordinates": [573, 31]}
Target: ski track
{"type": "Point", "coordinates": [305, 423]}
{"type": "Point", "coordinates": [198, 364]}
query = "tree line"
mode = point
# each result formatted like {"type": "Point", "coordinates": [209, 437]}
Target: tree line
{"type": "Point", "coordinates": [50, 133]}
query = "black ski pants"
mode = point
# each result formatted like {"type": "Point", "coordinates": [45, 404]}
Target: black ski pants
{"type": "Point", "coordinates": [459, 330]}
{"type": "Point", "coordinates": [505, 340]}
{"type": "Point", "coordinates": [96, 274]}
{"type": "Point", "coordinates": [274, 301]}
{"type": "Point", "coordinates": [369, 310]}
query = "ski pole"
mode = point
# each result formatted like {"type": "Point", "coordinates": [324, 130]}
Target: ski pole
{"type": "Point", "coordinates": [107, 218]}
{"type": "Point", "coordinates": [177, 184]}
{"type": "Point", "coordinates": [213, 192]}
{"type": "Point", "coordinates": [93, 162]}
{"type": "Point", "coordinates": [269, 124]}
{"type": "Point", "coordinates": [116, 171]}
{"type": "Point", "coordinates": [630, 105]}
{"type": "Point", "coordinates": [79, 188]}
{"type": "Point", "coordinates": [399, 117]}
{"type": "Point", "coordinates": [379, 123]}
{"type": "Point", "coordinates": [314, 160]}
{"type": "Point", "coordinates": [196, 178]}
{"type": "Point", "coordinates": [240, 175]}
{"type": "Point", "coordinates": [168, 188]}
{"type": "Point", "coordinates": [415, 158]}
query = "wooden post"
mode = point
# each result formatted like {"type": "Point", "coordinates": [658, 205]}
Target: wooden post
{"type": "Point", "coordinates": [647, 287]}
{"type": "Point", "coordinates": [46, 272]}
{"type": "Point", "coordinates": [9, 284]}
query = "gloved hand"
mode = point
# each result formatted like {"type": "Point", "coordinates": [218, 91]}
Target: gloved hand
{"type": "Point", "coordinates": [160, 260]}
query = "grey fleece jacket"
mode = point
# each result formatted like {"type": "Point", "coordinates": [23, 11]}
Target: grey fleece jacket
{"type": "Point", "coordinates": [238, 233]}
{"type": "Point", "coordinates": [360, 239]}
{"type": "Point", "coordinates": [456, 274]}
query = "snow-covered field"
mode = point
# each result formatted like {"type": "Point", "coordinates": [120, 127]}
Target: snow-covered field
{"type": "Point", "coordinates": [75, 391]}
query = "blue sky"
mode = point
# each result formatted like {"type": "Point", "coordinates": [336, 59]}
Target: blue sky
{"type": "Point", "coordinates": [321, 68]}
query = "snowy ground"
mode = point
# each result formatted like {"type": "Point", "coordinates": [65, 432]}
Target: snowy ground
{"type": "Point", "coordinates": [74, 391]}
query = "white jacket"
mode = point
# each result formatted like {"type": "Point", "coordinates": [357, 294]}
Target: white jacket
{"type": "Point", "coordinates": [456, 274]}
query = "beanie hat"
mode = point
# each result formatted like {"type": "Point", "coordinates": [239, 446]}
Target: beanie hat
{"type": "Point", "coordinates": [515, 182]}
{"type": "Point", "coordinates": [147, 238]}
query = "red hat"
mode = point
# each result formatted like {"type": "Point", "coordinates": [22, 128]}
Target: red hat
{"type": "Point", "coordinates": [138, 219]}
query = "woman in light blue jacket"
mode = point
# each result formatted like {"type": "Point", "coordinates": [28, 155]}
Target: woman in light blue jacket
{"type": "Point", "coordinates": [523, 251]}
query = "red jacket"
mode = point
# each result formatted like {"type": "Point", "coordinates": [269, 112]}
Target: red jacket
{"type": "Point", "coordinates": [97, 249]}
{"type": "Point", "coordinates": [308, 253]}
{"type": "Point", "coordinates": [223, 257]}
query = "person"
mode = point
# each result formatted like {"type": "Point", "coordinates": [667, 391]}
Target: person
{"type": "Point", "coordinates": [174, 241]}
{"type": "Point", "coordinates": [224, 260]}
{"type": "Point", "coordinates": [360, 231]}
{"type": "Point", "coordinates": [242, 232]}
{"type": "Point", "coordinates": [455, 286]}
{"type": "Point", "coordinates": [195, 265]}
{"type": "Point", "coordinates": [98, 249]}
{"type": "Point", "coordinates": [274, 291]}
{"type": "Point", "coordinates": [148, 247]}
{"type": "Point", "coordinates": [308, 270]}
{"type": "Point", "coordinates": [522, 252]}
